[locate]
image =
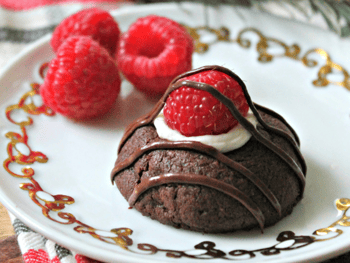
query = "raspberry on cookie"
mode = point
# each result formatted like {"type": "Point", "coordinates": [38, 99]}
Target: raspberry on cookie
{"type": "Point", "coordinates": [82, 81]}
{"type": "Point", "coordinates": [93, 22]}
{"type": "Point", "coordinates": [195, 112]}
{"type": "Point", "coordinates": [152, 52]}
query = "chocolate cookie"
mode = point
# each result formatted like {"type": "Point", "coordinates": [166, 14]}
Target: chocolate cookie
{"type": "Point", "coordinates": [193, 186]}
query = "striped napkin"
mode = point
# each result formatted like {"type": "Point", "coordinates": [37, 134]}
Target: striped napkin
{"type": "Point", "coordinates": [37, 249]}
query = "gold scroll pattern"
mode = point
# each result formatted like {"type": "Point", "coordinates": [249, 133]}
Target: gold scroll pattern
{"type": "Point", "coordinates": [343, 206]}
{"type": "Point", "coordinates": [264, 55]}
{"type": "Point", "coordinates": [286, 241]}
{"type": "Point", "coordinates": [53, 206]}
{"type": "Point", "coordinates": [47, 202]}
{"type": "Point", "coordinates": [26, 103]}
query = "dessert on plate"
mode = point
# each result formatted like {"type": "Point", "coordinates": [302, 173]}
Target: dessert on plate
{"type": "Point", "coordinates": [208, 159]}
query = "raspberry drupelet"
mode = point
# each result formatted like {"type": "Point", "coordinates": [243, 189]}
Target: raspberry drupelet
{"type": "Point", "coordinates": [195, 112]}
{"type": "Point", "coordinates": [93, 22]}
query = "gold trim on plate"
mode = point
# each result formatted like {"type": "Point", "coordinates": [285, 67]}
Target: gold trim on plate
{"type": "Point", "coordinates": [264, 55]}
{"type": "Point", "coordinates": [121, 236]}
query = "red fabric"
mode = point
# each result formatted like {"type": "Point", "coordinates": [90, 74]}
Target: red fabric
{"type": "Point", "coordinates": [36, 256]}
{"type": "Point", "coordinates": [83, 259]}
{"type": "Point", "coordinates": [28, 4]}
{"type": "Point", "coordinates": [55, 260]}
{"type": "Point", "coordinates": [41, 256]}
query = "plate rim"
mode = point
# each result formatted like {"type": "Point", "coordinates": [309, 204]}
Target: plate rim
{"type": "Point", "coordinates": [11, 206]}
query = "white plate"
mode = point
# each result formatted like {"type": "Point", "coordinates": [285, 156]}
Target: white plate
{"type": "Point", "coordinates": [81, 155]}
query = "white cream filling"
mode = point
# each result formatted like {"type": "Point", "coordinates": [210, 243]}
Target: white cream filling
{"type": "Point", "coordinates": [226, 142]}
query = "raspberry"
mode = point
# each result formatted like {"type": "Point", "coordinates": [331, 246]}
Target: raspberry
{"type": "Point", "coordinates": [195, 112]}
{"type": "Point", "coordinates": [82, 81]}
{"type": "Point", "coordinates": [152, 52]}
{"type": "Point", "coordinates": [93, 22]}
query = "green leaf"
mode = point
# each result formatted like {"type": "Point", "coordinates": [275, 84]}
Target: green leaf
{"type": "Point", "coordinates": [345, 31]}
{"type": "Point", "coordinates": [344, 10]}
{"type": "Point", "coordinates": [329, 14]}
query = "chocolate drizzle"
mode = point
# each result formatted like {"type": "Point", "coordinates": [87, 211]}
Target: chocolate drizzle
{"type": "Point", "coordinates": [210, 151]}
{"type": "Point", "coordinates": [199, 180]}
{"type": "Point", "coordinates": [205, 149]}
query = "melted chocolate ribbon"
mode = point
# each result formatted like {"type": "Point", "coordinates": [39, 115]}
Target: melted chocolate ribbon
{"type": "Point", "coordinates": [196, 179]}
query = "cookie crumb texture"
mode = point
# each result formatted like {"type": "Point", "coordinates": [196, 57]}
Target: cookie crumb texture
{"type": "Point", "coordinates": [204, 209]}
